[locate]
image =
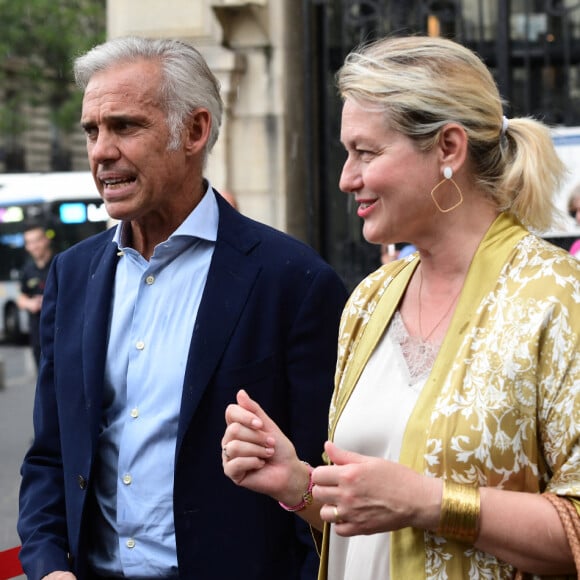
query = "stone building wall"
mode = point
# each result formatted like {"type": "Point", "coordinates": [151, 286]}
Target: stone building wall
{"type": "Point", "coordinates": [244, 44]}
{"type": "Point", "coordinates": [257, 157]}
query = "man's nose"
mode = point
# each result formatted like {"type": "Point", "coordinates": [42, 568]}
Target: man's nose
{"type": "Point", "coordinates": [104, 147]}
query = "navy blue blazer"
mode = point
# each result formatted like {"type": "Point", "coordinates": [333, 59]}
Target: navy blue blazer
{"type": "Point", "coordinates": [267, 322]}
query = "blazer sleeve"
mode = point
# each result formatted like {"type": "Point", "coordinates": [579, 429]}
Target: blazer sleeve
{"type": "Point", "coordinates": [311, 359]}
{"type": "Point", "coordinates": [312, 350]}
{"type": "Point", "coordinates": [42, 522]}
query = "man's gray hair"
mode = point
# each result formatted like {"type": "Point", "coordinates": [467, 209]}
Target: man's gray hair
{"type": "Point", "coordinates": [187, 84]}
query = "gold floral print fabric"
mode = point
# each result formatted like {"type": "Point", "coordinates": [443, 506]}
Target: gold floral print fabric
{"type": "Point", "coordinates": [501, 406]}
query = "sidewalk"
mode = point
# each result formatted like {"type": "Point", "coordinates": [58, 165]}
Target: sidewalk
{"type": "Point", "coordinates": [16, 401]}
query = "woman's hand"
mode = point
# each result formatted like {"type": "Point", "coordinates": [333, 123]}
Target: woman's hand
{"type": "Point", "coordinates": [258, 456]}
{"type": "Point", "coordinates": [372, 495]}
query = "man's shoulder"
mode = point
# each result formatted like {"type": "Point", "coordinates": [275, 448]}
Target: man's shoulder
{"type": "Point", "coordinates": [284, 261]}
{"type": "Point", "coordinates": [87, 247]}
{"type": "Point", "coordinates": [276, 243]}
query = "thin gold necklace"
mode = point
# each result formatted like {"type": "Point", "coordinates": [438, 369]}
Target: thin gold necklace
{"type": "Point", "coordinates": [426, 338]}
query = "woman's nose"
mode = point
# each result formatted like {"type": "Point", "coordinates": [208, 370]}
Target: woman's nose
{"type": "Point", "coordinates": [350, 179]}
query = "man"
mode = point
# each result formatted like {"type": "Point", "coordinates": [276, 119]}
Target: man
{"type": "Point", "coordinates": [33, 279]}
{"type": "Point", "coordinates": [149, 330]}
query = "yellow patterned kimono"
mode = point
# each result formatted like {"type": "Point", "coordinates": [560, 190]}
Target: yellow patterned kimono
{"type": "Point", "coordinates": [501, 406]}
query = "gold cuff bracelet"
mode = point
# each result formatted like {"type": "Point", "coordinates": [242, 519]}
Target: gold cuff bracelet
{"type": "Point", "coordinates": [460, 509]}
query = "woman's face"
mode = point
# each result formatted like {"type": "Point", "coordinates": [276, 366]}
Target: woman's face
{"type": "Point", "coordinates": [388, 175]}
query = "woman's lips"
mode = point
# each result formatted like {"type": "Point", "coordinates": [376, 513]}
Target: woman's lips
{"type": "Point", "coordinates": [365, 207]}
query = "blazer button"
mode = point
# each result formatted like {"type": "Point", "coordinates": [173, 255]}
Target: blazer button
{"type": "Point", "coordinates": [82, 482]}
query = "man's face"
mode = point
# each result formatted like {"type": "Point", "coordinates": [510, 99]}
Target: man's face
{"type": "Point", "coordinates": [36, 243]}
{"type": "Point", "coordinates": [127, 142]}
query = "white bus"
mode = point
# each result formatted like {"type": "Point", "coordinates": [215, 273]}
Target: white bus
{"type": "Point", "coordinates": [66, 204]}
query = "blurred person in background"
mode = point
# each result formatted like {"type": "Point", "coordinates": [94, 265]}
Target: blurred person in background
{"type": "Point", "coordinates": [574, 205]}
{"type": "Point", "coordinates": [392, 252]}
{"type": "Point", "coordinates": [407, 250]}
{"type": "Point", "coordinates": [32, 280]}
{"type": "Point", "coordinates": [389, 253]}
{"type": "Point", "coordinates": [149, 329]}
{"type": "Point", "coordinates": [574, 211]}
{"type": "Point", "coordinates": [454, 429]}
{"type": "Point", "coordinates": [230, 198]}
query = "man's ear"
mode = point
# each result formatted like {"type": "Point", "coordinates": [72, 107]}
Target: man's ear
{"type": "Point", "coordinates": [197, 126]}
{"type": "Point", "coordinates": [452, 146]}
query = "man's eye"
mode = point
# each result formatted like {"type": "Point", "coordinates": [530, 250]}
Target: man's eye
{"type": "Point", "coordinates": [124, 126]}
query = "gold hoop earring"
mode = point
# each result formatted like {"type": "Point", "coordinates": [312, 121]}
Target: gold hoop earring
{"type": "Point", "coordinates": [448, 173]}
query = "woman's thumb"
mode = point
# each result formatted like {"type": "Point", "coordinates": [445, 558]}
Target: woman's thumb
{"type": "Point", "coordinates": [340, 456]}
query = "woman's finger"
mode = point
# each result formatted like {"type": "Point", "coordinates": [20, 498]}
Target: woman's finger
{"type": "Point", "coordinates": [239, 432]}
{"type": "Point", "coordinates": [326, 475]}
{"type": "Point", "coordinates": [262, 419]}
{"type": "Point", "coordinates": [237, 414]}
{"type": "Point", "coordinates": [236, 449]}
{"type": "Point", "coordinates": [239, 468]}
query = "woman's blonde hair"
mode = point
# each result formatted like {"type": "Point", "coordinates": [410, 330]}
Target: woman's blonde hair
{"type": "Point", "coordinates": [423, 83]}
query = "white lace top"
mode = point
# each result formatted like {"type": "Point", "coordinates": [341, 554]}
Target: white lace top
{"type": "Point", "coordinates": [373, 423]}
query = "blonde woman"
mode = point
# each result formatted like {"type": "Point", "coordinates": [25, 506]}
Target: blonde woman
{"type": "Point", "coordinates": [455, 421]}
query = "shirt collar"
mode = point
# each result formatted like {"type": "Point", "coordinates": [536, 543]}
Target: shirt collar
{"type": "Point", "coordinates": [201, 223]}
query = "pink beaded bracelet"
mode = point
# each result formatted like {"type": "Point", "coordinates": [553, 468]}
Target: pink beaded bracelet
{"type": "Point", "coordinates": [306, 496]}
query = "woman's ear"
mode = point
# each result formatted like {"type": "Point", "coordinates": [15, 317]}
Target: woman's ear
{"type": "Point", "coordinates": [452, 146]}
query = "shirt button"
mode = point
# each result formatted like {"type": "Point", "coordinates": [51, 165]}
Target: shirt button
{"type": "Point", "coordinates": [130, 543]}
{"type": "Point", "coordinates": [127, 479]}
{"type": "Point", "coordinates": [140, 345]}
{"type": "Point", "coordinates": [82, 482]}
{"type": "Point", "coordinates": [149, 280]}
{"type": "Point", "coordinates": [134, 413]}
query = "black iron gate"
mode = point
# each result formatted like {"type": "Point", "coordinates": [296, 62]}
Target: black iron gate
{"type": "Point", "coordinates": [531, 46]}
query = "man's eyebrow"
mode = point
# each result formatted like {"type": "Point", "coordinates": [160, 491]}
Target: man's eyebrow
{"type": "Point", "coordinates": [115, 119]}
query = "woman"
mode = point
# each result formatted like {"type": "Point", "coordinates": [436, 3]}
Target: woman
{"type": "Point", "coordinates": [457, 401]}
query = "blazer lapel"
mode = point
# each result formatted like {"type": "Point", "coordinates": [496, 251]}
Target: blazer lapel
{"type": "Point", "coordinates": [97, 310]}
{"type": "Point", "coordinates": [231, 275]}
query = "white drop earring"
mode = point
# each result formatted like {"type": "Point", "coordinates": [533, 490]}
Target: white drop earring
{"type": "Point", "coordinates": [447, 177]}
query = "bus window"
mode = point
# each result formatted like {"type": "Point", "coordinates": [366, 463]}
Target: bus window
{"type": "Point", "coordinates": [70, 221]}
{"type": "Point", "coordinates": [12, 253]}
{"type": "Point", "coordinates": [67, 205]}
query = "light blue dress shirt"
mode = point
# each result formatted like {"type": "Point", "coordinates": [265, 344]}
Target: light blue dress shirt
{"type": "Point", "coordinates": [154, 308]}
